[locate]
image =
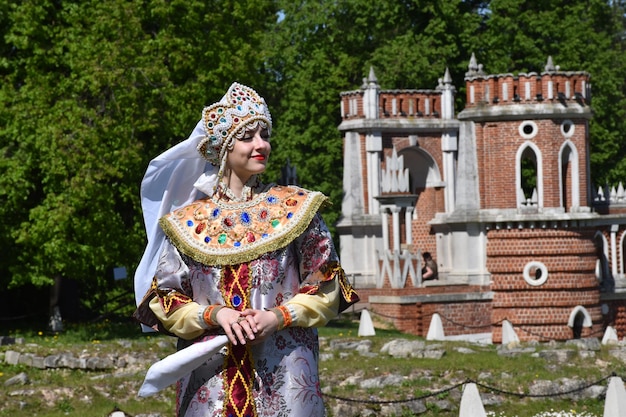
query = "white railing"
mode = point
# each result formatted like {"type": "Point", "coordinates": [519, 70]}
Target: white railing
{"type": "Point", "coordinates": [610, 194]}
{"type": "Point", "coordinates": [398, 267]}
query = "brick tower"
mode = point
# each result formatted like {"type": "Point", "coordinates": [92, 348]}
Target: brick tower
{"type": "Point", "coordinates": [500, 193]}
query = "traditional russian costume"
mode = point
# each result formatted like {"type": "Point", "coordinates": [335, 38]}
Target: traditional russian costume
{"type": "Point", "coordinates": [268, 249]}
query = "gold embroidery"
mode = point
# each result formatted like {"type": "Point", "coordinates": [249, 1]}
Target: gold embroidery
{"type": "Point", "coordinates": [238, 379]}
{"type": "Point", "coordinates": [225, 233]}
{"type": "Point", "coordinates": [173, 299]}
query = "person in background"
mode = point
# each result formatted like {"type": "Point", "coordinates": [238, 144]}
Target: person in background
{"type": "Point", "coordinates": [228, 254]}
{"type": "Point", "coordinates": [429, 271]}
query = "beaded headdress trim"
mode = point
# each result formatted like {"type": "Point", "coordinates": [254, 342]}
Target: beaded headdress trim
{"type": "Point", "coordinates": [239, 110]}
{"type": "Point", "coordinates": [218, 232]}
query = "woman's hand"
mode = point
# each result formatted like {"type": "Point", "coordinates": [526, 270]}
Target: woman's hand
{"type": "Point", "coordinates": [238, 326]}
{"type": "Point", "coordinates": [248, 325]}
{"type": "Point", "coordinates": [264, 322]}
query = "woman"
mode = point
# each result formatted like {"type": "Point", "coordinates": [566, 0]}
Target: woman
{"type": "Point", "coordinates": [252, 261]}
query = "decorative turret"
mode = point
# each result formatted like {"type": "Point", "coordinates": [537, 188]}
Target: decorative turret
{"type": "Point", "coordinates": [538, 123]}
{"type": "Point", "coordinates": [370, 102]}
{"type": "Point", "coordinates": [551, 86]}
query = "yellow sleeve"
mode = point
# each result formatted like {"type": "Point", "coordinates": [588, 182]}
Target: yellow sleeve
{"type": "Point", "coordinates": [185, 322]}
{"type": "Point", "coordinates": [311, 310]}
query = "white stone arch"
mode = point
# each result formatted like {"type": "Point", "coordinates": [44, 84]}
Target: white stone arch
{"type": "Point", "coordinates": [423, 169]}
{"type": "Point", "coordinates": [569, 153]}
{"type": "Point", "coordinates": [602, 265]}
{"type": "Point", "coordinates": [518, 172]}
{"type": "Point", "coordinates": [580, 310]}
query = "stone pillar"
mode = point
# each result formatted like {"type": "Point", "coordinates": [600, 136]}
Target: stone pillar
{"type": "Point", "coordinates": [395, 212]}
{"type": "Point", "coordinates": [449, 147]}
{"type": "Point", "coordinates": [614, 230]}
{"type": "Point", "coordinates": [385, 220]}
{"type": "Point", "coordinates": [408, 219]}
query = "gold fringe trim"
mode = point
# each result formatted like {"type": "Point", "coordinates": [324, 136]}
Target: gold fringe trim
{"type": "Point", "coordinates": [291, 230]}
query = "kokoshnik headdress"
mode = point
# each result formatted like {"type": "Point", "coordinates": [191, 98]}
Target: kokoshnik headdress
{"type": "Point", "coordinates": [241, 109]}
{"type": "Point", "coordinates": [178, 176]}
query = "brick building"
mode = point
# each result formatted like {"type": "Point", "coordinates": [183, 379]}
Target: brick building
{"type": "Point", "coordinates": [499, 193]}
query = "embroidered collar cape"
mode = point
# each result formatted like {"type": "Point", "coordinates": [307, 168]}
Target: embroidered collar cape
{"type": "Point", "coordinates": [221, 232]}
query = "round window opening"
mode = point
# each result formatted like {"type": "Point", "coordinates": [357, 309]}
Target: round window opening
{"type": "Point", "coordinates": [528, 129]}
{"type": "Point", "coordinates": [535, 273]}
{"type": "Point", "coordinates": [567, 128]}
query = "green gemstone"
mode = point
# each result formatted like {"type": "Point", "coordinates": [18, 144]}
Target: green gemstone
{"type": "Point", "coordinates": [275, 223]}
{"type": "Point", "coordinates": [222, 238]}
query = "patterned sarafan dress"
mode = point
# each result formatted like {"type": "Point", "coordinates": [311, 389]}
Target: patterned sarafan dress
{"type": "Point", "coordinates": [255, 254]}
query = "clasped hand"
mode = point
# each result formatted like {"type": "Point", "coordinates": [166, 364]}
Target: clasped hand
{"type": "Point", "coordinates": [247, 326]}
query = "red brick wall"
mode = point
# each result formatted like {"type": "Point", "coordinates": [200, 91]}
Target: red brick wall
{"type": "Point", "coordinates": [497, 147]}
{"type": "Point", "coordinates": [542, 312]}
{"type": "Point", "coordinates": [429, 202]}
{"type": "Point", "coordinates": [517, 86]}
{"type": "Point", "coordinates": [617, 317]}
{"type": "Point", "coordinates": [402, 103]}
{"type": "Point", "coordinates": [457, 317]}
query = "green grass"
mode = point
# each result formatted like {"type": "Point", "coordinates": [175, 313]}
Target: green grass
{"type": "Point", "coordinates": [65, 392]}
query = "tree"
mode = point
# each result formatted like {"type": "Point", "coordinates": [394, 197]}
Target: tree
{"type": "Point", "coordinates": [90, 92]}
{"type": "Point", "coordinates": [322, 48]}
{"type": "Point", "coordinates": [519, 36]}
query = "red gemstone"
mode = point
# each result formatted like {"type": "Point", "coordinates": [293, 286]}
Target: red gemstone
{"type": "Point", "coordinates": [200, 227]}
{"type": "Point", "coordinates": [291, 202]}
{"type": "Point", "coordinates": [250, 237]}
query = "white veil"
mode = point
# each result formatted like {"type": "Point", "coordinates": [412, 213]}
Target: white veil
{"type": "Point", "coordinates": [173, 179]}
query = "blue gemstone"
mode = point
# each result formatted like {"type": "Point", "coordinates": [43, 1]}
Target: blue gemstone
{"type": "Point", "coordinates": [237, 244]}
{"type": "Point", "coordinates": [245, 218]}
{"type": "Point", "coordinates": [264, 235]}
{"type": "Point", "coordinates": [190, 223]}
{"type": "Point", "coordinates": [271, 199]}
{"type": "Point", "coordinates": [289, 215]}
{"type": "Point", "coordinates": [237, 300]}
{"type": "Point", "coordinates": [216, 212]}
{"type": "Point", "coordinates": [207, 239]}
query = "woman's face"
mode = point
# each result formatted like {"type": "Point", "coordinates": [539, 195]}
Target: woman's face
{"type": "Point", "coordinates": [250, 154]}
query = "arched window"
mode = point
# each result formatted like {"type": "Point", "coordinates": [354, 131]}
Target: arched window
{"type": "Point", "coordinates": [568, 176]}
{"type": "Point", "coordinates": [529, 176]}
{"type": "Point", "coordinates": [603, 269]}
{"type": "Point", "coordinates": [579, 318]}
{"type": "Point", "coordinates": [423, 170]}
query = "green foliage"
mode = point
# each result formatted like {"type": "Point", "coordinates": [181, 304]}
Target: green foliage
{"type": "Point", "coordinates": [529, 174]}
{"type": "Point", "coordinates": [90, 91]}
{"type": "Point", "coordinates": [587, 36]}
